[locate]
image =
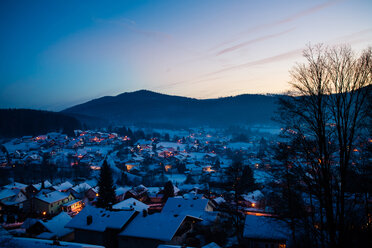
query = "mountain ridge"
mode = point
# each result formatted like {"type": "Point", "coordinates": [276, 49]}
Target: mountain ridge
{"type": "Point", "coordinates": [152, 107]}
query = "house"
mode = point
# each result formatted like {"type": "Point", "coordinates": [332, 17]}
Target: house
{"type": "Point", "coordinates": [12, 199]}
{"type": "Point", "coordinates": [264, 231]}
{"type": "Point", "coordinates": [50, 203]}
{"type": "Point", "coordinates": [73, 207]}
{"type": "Point", "coordinates": [120, 193]}
{"type": "Point", "coordinates": [51, 229]}
{"type": "Point", "coordinates": [251, 199]}
{"type": "Point", "coordinates": [131, 204]}
{"type": "Point", "coordinates": [80, 190]}
{"type": "Point", "coordinates": [153, 230]}
{"type": "Point", "coordinates": [139, 193]}
{"type": "Point", "coordinates": [33, 189]}
{"type": "Point", "coordinates": [99, 226]}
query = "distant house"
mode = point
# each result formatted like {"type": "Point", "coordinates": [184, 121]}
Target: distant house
{"type": "Point", "coordinates": [12, 199]}
{"type": "Point", "coordinates": [33, 189]}
{"type": "Point", "coordinates": [120, 193]}
{"type": "Point", "coordinates": [52, 229]}
{"type": "Point", "coordinates": [51, 203]}
{"type": "Point", "coordinates": [251, 199]}
{"type": "Point", "coordinates": [153, 230]}
{"type": "Point", "coordinates": [263, 231]}
{"type": "Point", "coordinates": [73, 207]}
{"type": "Point", "coordinates": [139, 193]}
{"type": "Point", "coordinates": [99, 226]}
{"type": "Point", "coordinates": [81, 190]}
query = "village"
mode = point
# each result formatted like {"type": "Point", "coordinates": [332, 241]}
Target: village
{"type": "Point", "coordinates": [170, 189]}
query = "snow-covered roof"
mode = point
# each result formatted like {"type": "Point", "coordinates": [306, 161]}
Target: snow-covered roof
{"type": "Point", "coordinates": [15, 185]}
{"type": "Point", "coordinates": [29, 222]}
{"type": "Point", "coordinates": [5, 193]}
{"type": "Point", "coordinates": [101, 219]}
{"type": "Point", "coordinates": [178, 205]}
{"type": "Point", "coordinates": [122, 190]}
{"type": "Point", "coordinates": [219, 200]}
{"type": "Point", "coordinates": [52, 196]}
{"type": "Point", "coordinates": [131, 204]}
{"type": "Point", "coordinates": [253, 196]}
{"type": "Point", "coordinates": [157, 226]}
{"type": "Point", "coordinates": [263, 227]}
{"type": "Point", "coordinates": [47, 184]}
{"type": "Point", "coordinates": [81, 187]}
{"type": "Point", "coordinates": [57, 224]}
{"type": "Point", "coordinates": [63, 186]}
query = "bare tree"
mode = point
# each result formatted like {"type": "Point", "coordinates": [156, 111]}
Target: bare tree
{"type": "Point", "coordinates": [326, 112]}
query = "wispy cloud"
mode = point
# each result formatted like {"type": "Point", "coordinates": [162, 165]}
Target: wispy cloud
{"type": "Point", "coordinates": [271, 59]}
{"type": "Point", "coordinates": [296, 53]}
{"type": "Point", "coordinates": [211, 76]}
{"type": "Point", "coordinates": [288, 19]}
{"type": "Point", "coordinates": [259, 39]}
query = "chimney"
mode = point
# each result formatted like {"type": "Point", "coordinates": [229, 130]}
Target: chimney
{"type": "Point", "coordinates": [89, 219]}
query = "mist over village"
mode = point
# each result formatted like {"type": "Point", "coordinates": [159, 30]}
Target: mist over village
{"type": "Point", "coordinates": [165, 124]}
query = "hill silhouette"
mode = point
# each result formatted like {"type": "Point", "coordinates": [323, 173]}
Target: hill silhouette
{"type": "Point", "coordinates": [145, 106]}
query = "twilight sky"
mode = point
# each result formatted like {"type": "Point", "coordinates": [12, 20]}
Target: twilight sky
{"type": "Point", "coordinates": [54, 54]}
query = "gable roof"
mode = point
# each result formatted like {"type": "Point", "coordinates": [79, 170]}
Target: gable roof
{"type": "Point", "coordinates": [6, 193]}
{"type": "Point", "coordinates": [47, 184]}
{"type": "Point", "coordinates": [101, 219]}
{"type": "Point", "coordinates": [63, 186]}
{"type": "Point", "coordinates": [131, 204]}
{"type": "Point", "coordinates": [81, 187]}
{"type": "Point", "coordinates": [122, 190]}
{"type": "Point", "coordinates": [52, 196]}
{"type": "Point", "coordinates": [56, 225]}
{"type": "Point", "coordinates": [157, 226]}
{"type": "Point", "coordinates": [15, 185]}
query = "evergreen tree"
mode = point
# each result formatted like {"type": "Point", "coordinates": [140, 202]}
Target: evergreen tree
{"type": "Point", "coordinates": [248, 183]}
{"type": "Point", "coordinates": [106, 192]}
{"type": "Point", "coordinates": [168, 190]}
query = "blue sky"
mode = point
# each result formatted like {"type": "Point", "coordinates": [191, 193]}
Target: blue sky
{"type": "Point", "coordinates": [55, 54]}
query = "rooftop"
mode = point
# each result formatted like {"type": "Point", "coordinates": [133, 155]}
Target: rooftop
{"type": "Point", "coordinates": [101, 219]}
